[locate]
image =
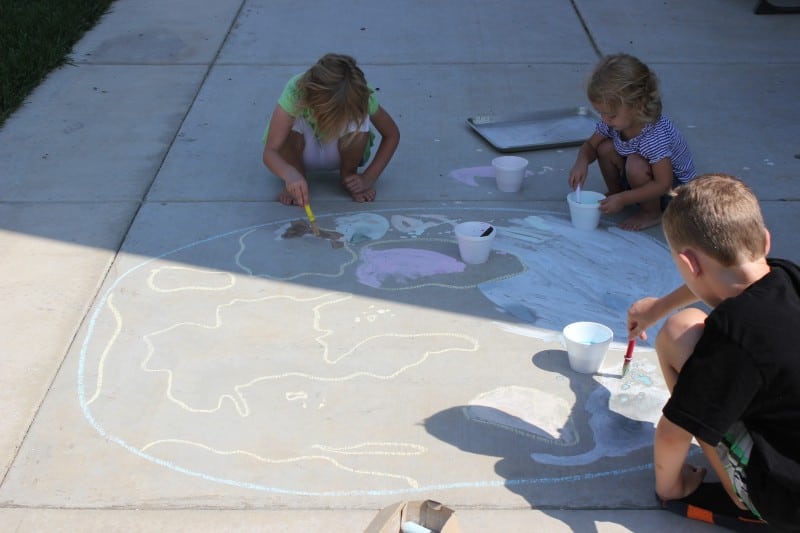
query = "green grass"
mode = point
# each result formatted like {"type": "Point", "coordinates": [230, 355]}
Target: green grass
{"type": "Point", "coordinates": [35, 38]}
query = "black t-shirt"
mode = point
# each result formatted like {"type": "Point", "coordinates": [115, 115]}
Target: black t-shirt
{"type": "Point", "coordinates": [746, 367]}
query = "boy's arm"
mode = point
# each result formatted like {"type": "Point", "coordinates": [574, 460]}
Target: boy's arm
{"type": "Point", "coordinates": [645, 312]}
{"type": "Point", "coordinates": [587, 154]}
{"type": "Point", "coordinates": [390, 138]}
{"type": "Point", "coordinates": [674, 478]}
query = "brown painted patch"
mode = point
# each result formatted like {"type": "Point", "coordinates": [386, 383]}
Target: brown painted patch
{"type": "Point", "coordinates": [301, 227]}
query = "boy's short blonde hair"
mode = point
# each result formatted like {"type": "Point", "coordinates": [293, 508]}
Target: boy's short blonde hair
{"type": "Point", "coordinates": [623, 80]}
{"type": "Point", "coordinates": [719, 215]}
{"type": "Point", "coordinates": [336, 92]}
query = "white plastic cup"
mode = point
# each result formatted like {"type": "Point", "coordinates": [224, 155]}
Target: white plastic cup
{"type": "Point", "coordinates": [509, 171]}
{"type": "Point", "coordinates": [586, 214]}
{"type": "Point", "coordinates": [474, 244]}
{"type": "Point", "coordinates": [587, 344]}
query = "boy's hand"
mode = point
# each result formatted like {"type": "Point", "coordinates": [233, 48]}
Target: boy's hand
{"type": "Point", "coordinates": [641, 315]}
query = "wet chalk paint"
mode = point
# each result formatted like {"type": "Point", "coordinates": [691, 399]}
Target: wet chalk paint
{"type": "Point", "coordinates": [575, 275]}
{"type": "Point", "coordinates": [403, 265]}
{"type": "Point", "coordinates": [362, 227]}
{"type": "Point", "coordinates": [467, 175]}
{"type": "Point", "coordinates": [300, 228]}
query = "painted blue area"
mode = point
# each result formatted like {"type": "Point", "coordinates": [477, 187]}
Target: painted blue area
{"type": "Point", "coordinates": [614, 435]}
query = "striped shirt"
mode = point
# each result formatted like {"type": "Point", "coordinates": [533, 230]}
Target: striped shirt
{"type": "Point", "coordinates": [656, 141]}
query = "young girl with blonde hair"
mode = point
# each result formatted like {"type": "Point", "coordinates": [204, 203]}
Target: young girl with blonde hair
{"type": "Point", "coordinates": [322, 122]}
{"type": "Point", "coordinates": [641, 154]}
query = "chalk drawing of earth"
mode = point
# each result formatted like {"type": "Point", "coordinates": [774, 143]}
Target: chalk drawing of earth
{"type": "Point", "coordinates": [237, 358]}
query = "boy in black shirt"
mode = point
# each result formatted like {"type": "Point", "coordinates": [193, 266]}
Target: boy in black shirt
{"type": "Point", "coordinates": [734, 374]}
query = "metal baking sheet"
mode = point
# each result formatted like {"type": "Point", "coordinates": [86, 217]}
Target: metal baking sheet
{"type": "Point", "coordinates": [536, 130]}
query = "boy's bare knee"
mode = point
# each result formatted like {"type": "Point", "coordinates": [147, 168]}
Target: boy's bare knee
{"type": "Point", "coordinates": [679, 335]}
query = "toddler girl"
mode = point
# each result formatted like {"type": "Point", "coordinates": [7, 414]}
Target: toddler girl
{"type": "Point", "coordinates": [641, 154]}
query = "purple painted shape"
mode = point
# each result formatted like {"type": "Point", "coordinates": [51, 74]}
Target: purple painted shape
{"type": "Point", "coordinates": [403, 265]}
{"type": "Point", "coordinates": [467, 175]}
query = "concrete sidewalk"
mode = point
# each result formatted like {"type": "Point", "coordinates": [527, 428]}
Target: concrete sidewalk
{"type": "Point", "coordinates": [174, 361]}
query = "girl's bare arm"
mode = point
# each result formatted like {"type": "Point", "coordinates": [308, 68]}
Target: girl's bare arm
{"type": "Point", "coordinates": [280, 125]}
{"type": "Point", "coordinates": [390, 138]}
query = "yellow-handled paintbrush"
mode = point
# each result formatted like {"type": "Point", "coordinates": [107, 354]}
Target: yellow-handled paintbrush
{"type": "Point", "coordinates": [312, 220]}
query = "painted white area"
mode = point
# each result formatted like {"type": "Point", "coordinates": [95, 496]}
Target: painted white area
{"type": "Point", "coordinates": [362, 227]}
{"type": "Point", "coordinates": [527, 411]}
{"type": "Point", "coordinates": [575, 275]}
{"type": "Point", "coordinates": [622, 413]}
{"type": "Point", "coordinates": [614, 435]}
{"type": "Point", "coordinates": [470, 176]}
{"type": "Point", "coordinates": [418, 225]}
{"type": "Point", "coordinates": [532, 332]}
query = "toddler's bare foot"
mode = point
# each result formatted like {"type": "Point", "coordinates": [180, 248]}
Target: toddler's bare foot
{"type": "Point", "coordinates": [641, 220]}
{"type": "Point", "coordinates": [286, 198]}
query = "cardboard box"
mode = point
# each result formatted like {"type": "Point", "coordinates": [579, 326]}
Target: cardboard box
{"type": "Point", "coordinates": [427, 513]}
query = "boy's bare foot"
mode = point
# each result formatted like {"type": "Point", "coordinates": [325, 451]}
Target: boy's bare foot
{"type": "Point", "coordinates": [641, 220]}
{"type": "Point", "coordinates": [286, 198]}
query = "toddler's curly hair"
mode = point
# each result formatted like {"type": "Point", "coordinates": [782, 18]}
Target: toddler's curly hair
{"type": "Point", "coordinates": [623, 80]}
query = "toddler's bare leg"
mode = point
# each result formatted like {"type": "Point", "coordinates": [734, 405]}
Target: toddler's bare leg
{"type": "Point", "coordinates": [351, 150]}
{"type": "Point", "coordinates": [639, 172]}
{"type": "Point", "coordinates": [292, 153]}
{"type": "Point", "coordinates": [610, 163]}
{"type": "Point", "coordinates": [674, 344]}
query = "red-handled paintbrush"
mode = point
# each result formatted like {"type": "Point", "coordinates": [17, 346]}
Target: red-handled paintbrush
{"type": "Point", "coordinates": [628, 356]}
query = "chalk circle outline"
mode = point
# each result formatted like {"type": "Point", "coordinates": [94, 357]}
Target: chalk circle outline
{"type": "Point", "coordinates": [100, 305]}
